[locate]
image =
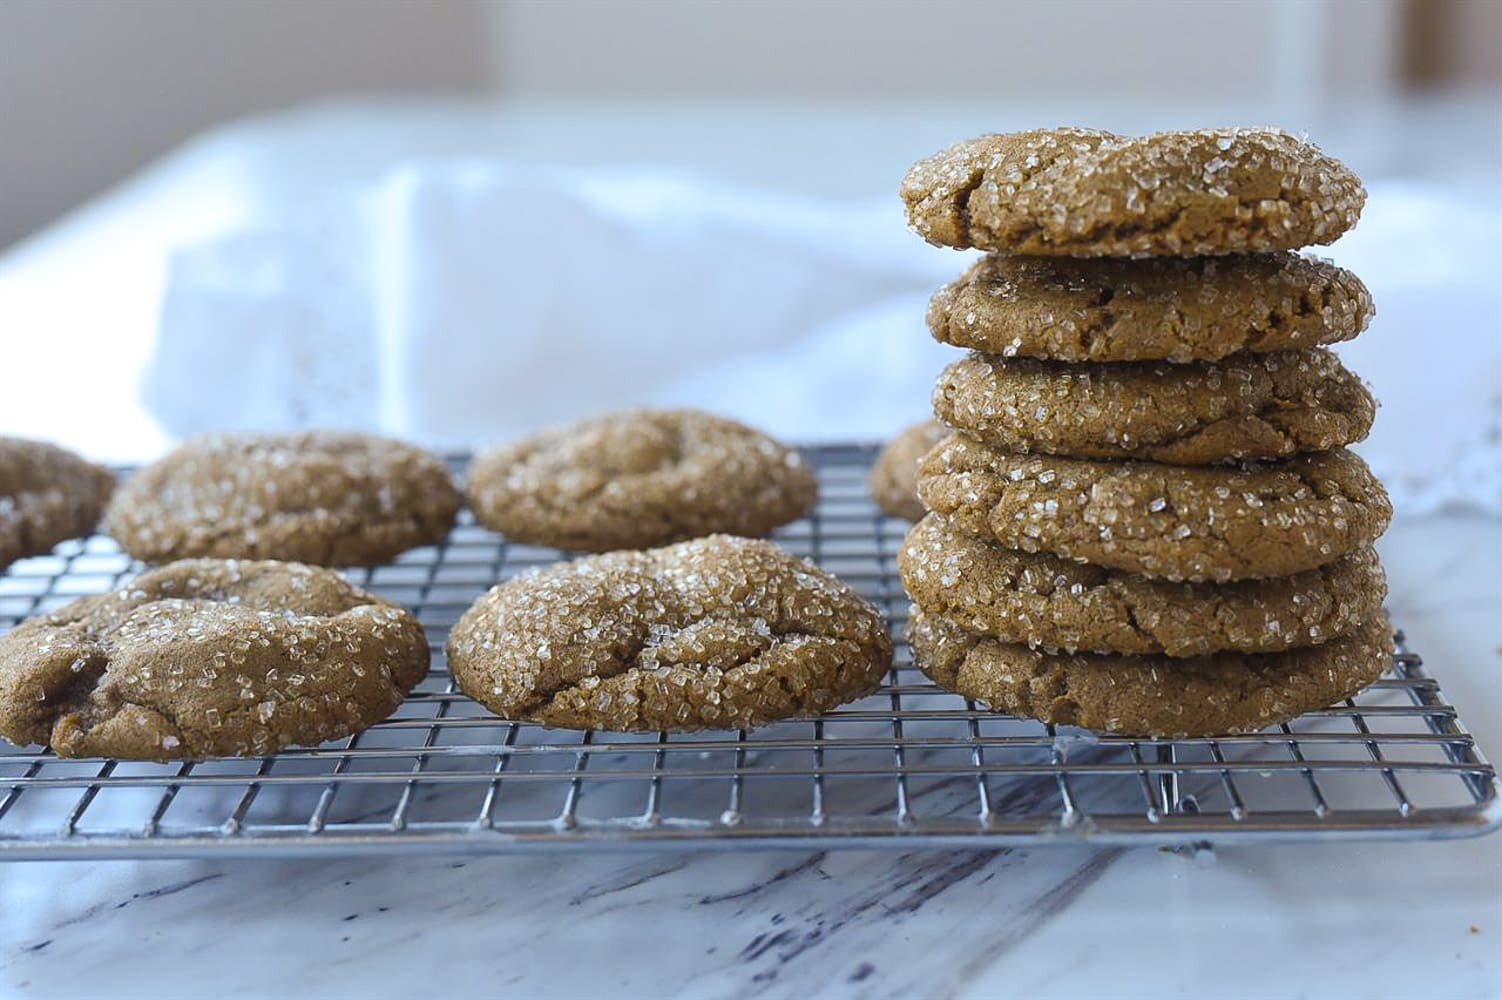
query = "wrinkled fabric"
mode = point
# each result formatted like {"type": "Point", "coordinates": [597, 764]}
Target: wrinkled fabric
{"type": "Point", "coordinates": [457, 303]}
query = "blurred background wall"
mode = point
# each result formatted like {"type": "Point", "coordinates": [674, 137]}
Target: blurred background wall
{"type": "Point", "coordinates": [92, 89]}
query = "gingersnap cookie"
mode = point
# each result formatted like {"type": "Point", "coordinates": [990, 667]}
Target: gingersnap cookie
{"type": "Point", "coordinates": [1051, 603]}
{"type": "Point", "coordinates": [1086, 193]}
{"type": "Point", "coordinates": [1151, 696]}
{"type": "Point", "coordinates": [1247, 407]}
{"type": "Point", "coordinates": [1163, 309]}
{"type": "Point", "coordinates": [326, 497]}
{"type": "Point", "coordinates": [47, 495]}
{"type": "Point", "coordinates": [894, 476]}
{"type": "Point", "coordinates": [637, 479]}
{"type": "Point", "coordinates": [208, 658]}
{"type": "Point", "coordinates": [1173, 521]}
{"type": "Point", "coordinates": [718, 632]}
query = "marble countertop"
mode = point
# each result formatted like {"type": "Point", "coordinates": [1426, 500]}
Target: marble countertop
{"type": "Point", "coordinates": [1374, 920]}
{"type": "Point", "coordinates": [1370, 920]}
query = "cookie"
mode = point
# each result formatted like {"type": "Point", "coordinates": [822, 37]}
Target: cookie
{"type": "Point", "coordinates": [1052, 603]}
{"type": "Point", "coordinates": [325, 497]}
{"type": "Point", "coordinates": [47, 495]}
{"type": "Point", "coordinates": [1151, 696]}
{"type": "Point", "coordinates": [1166, 309]}
{"type": "Point", "coordinates": [1247, 407]}
{"type": "Point", "coordinates": [1085, 193]}
{"type": "Point", "coordinates": [637, 479]}
{"type": "Point", "coordinates": [1172, 521]}
{"type": "Point", "coordinates": [714, 633]}
{"type": "Point", "coordinates": [894, 475]}
{"type": "Point", "coordinates": [208, 658]}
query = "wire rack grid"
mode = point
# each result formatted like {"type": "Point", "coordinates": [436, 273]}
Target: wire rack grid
{"type": "Point", "coordinates": [909, 767]}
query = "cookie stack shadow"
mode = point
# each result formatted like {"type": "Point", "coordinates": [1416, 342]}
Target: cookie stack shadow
{"type": "Point", "coordinates": [1146, 521]}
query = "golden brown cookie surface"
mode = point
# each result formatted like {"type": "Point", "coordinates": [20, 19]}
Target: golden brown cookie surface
{"type": "Point", "coordinates": [640, 478]}
{"type": "Point", "coordinates": [205, 658]}
{"type": "Point", "coordinates": [1246, 407]}
{"type": "Point", "coordinates": [1045, 601]}
{"type": "Point", "coordinates": [718, 632]}
{"type": "Point", "coordinates": [1087, 193]}
{"type": "Point", "coordinates": [1151, 696]}
{"type": "Point", "coordinates": [1171, 521]}
{"type": "Point", "coordinates": [326, 497]}
{"type": "Point", "coordinates": [47, 495]}
{"type": "Point", "coordinates": [894, 476]}
{"type": "Point", "coordinates": [1164, 309]}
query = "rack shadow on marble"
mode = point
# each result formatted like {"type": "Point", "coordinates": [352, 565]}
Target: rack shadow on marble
{"type": "Point", "coordinates": [909, 767]}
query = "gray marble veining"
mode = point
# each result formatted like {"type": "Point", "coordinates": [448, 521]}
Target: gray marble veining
{"type": "Point", "coordinates": [1374, 920]}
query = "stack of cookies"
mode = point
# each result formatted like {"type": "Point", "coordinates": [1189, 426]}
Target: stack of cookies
{"type": "Point", "coordinates": [1146, 521]}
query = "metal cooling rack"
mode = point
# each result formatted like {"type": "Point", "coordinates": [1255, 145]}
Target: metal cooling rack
{"type": "Point", "coordinates": [909, 767]}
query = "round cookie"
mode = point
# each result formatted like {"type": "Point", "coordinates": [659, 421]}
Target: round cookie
{"type": "Point", "coordinates": [1051, 603]}
{"type": "Point", "coordinates": [894, 476]}
{"type": "Point", "coordinates": [639, 478]}
{"type": "Point", "coordinates": [208, 658]}
{"type": "Point", "coordinates": [714, 633]}
{"type": "Point", "coordinates": [1086, 193]}
{"type": "Point", "coordinates": [326, 497]}
{"type": "Point", "coordinates": [1172, 521]}
{"type": "Point", "coordinates": [1150, 696]}
{"type": "Point", "coordinates": [1247, 407]}
{"type": "Point", "coordinates": [1165, 309]}
{"type": "Point", "coordinates": [47, 495]}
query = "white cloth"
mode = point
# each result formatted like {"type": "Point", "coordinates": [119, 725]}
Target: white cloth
{"type": "Point", "coordinates": [1433, 354]}
{"type": "Point", "coordinates": [459, 303]}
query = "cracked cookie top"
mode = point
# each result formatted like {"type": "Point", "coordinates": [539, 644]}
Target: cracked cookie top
{"type": "Point", "coordinates": [207, 658]}
{"type": "Point", "coordinates": [639, 478]}
{"type": "Point", "coordinates": [1086, 193]}
{"type": "Point", "coordinates": [894, 475]}
{"type": "Point", "coordinates": [1247, 407]}
{"type": "Point", "coordinates": [714, 633]}
{"type": "Point", "coordinates": [1151, 696]}
{"type": "Point", "coordinates": [326, 497]}
{"type": "Point", "coordinates": [47, 495]}
{"type": "Point", "coordinates": [1052, 603]}
{"type": "Point", "coordinates": [1172, 521]}
{"type": "Point", "coordinates": [1163, 309]}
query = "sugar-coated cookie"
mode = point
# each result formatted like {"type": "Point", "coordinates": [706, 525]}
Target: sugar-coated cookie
{"type": "Point", "coordinates": [326, 497]}
{"type": "Point", "coordinates": [1248, 407]}
{"type": "Point", "coordinates": [1086, 193]}
{"type": "Point", "coordinates": [1172, 521]}
{"type": "Point", "coordinates": [640, 478]}
{"type": "Point", "coordinates": [47, 495]}
{"type": "Point", "coordinates": [1164, 309]}
{"type": "Point", "coordinates": [1052, 603]}
{"type": "Point", "coordinates": [714, 633]}
{"type": "Point", "coordinates": [894, 476]}
{"type": "Point", "coordinates": [1151, 696]}
{"type": "Point", "coordinates": [208, 658]}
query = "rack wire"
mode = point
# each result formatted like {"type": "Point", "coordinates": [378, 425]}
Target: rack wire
{"type": "Point", "coordinates": [909, 767]}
